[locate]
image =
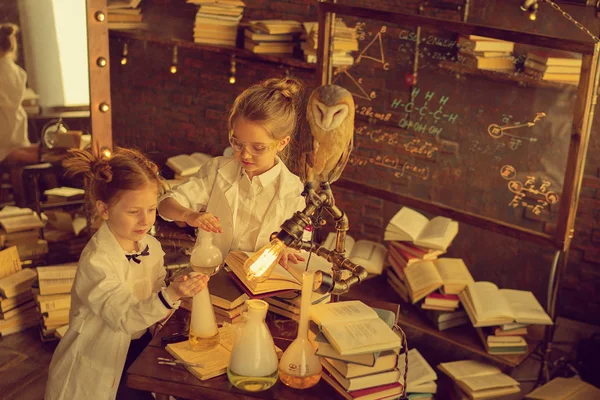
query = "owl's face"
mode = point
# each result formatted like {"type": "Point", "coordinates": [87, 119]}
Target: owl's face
{"type": "Point", "coordinates": [330, 106]}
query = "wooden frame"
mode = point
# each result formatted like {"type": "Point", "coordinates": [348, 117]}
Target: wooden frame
{"type": "Point", "coordinates": [99, 67]}
{"type": "Point", "coordinates": [582, 118]}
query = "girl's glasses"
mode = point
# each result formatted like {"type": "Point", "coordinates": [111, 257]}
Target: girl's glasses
{"type": "Point", "coordinates": [255, 149]}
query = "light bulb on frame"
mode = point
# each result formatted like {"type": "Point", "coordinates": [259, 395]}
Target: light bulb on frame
{"type": "Point", "coordinates": [125, 53]}
{"type": "Point", "coordinates": [260, 264]}
{"type": "Point", "coordinates": [174, 61]}
{"type": "Point", "coordinates": [232, 70]}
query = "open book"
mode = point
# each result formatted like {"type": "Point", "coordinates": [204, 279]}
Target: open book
{"type": "Point", "coordinates": [421, 377]}
{"type": "Point", "coordinates": [411, 226]}
{"type": "Point", "coordinates": [366, 253]}
{"type": "Point", "coordinates": [280, 278]}
{"type": "Point", "coordinates": [480, 380]}
{"type": "Point", "coordinates": [487, 305]}
{"type": "Point", "coordinates": [352, 327]}
{"type": "Point", "coordinates": [565, 389]}
{"type": "Point", "coordinates": [425, 277]}
{"type": "Point", "coordinates": [186, 165]}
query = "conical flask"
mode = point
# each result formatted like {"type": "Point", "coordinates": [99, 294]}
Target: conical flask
{"type": "Point", "coordinates": [206, 259]}
{"type": "Point", "coordinates": [300, 367]}
{"type": "Point", "coordinates": [253, 362]}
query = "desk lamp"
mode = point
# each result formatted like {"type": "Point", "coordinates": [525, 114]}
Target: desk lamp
{"type": "Point", "coordinates": [325, 153]}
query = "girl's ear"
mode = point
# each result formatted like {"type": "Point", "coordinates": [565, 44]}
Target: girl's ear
{"type": "Point", "coordinates": [102, 209]}
{"type": "Point", "coordinates": [283, 142]}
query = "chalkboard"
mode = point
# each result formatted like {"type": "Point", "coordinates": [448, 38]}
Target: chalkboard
{"type": "Point", "coordinates": [432, 126]}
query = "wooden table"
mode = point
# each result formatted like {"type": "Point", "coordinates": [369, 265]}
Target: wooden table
{"type": "Point", "coordinates": [146, 374]}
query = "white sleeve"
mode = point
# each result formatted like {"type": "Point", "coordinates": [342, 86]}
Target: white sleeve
{"type": "Point", "coordinates": [193, 193]}
{"type": "Point", "coordinates": [100, 289]}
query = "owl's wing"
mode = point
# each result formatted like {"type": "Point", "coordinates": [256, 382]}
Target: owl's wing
{"type": "Point", "coordinates": [336, 172]}
{"type": "Point", "coordinates": [305, 151]}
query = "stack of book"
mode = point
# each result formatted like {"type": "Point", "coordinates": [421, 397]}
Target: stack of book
{"type": "Point", "coordinates": [554, 65]}
{"type": "Point", "coordinates": [17, 308]}
{"type": "Point", "coordinates": [184, 165]}
{"type": "Point", "coordinates": [125, 15]}
{"type": "Point", "coordinates": [272, 36]}
{"type": "Point", "coordinates": [421, 378]}
{"type": "Point", "coordinates": [217, 21]}
{"type": "Point", "coordinates": [21, 228]}
{"type": "Point", "coordinates": [488, 306]}
{"type": "Point", "coordinates": [359, 349]}
{"type": "Point", "coordinates": [343, 43]}
{"type": "Point", "coordinates": [485, 53]}
{"type": "Point", "coordinates": [478, 380]}
{"type": "Point", "coordinates": [288, 304]}
{"type": "Point", "coordinates": [53, 297]}
{"type": "Point", "coordinates": [443, 320]}
{"type": "Point", "coordinates": [227, 298]}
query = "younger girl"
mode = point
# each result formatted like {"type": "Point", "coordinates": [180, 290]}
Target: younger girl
{"type": "Point", "coordinates": [246, 197]}
{"type": "Point", "coordinates": [119, 287]}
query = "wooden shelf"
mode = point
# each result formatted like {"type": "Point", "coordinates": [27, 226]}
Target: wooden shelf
{"type": "Point", "coordinates": [188, 44]}
{"type": "Point", "coordinates": [464, 336]}
{"type": "Point", "coordinates": [512, 77]}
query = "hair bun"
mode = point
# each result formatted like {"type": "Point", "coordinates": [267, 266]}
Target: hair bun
{"type": "Point", "coordinates": [102, 171]}
{"type": "Point", "coordinates": [288, 87]}
{"type": "Point", "coordinates": [8, 29]}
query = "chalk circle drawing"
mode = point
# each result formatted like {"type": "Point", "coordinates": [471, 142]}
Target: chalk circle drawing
{"type": "Point", "coordinates": [496, 131]}
{"type": "Point", "coordinates": [508, 172]}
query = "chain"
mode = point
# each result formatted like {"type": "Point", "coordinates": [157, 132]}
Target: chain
{"type": "Point", "coordinates": [568, 17]}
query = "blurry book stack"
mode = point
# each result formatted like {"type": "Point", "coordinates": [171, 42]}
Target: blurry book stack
{"type": "Point", "coordinates": [21, 227]}
{"type": "Point", "coordinates": [272, 36]}
{"type": "Point", "coordinates": [485, 53]}
{"type": "Point", "coordinates": [185, 165]}
{"type": "Point", "coordinates": [478, 380]}
{"type": "Point", "coordinates": [125, 15]}
{"type": "Point", "coordinates": [363, 365]}
{"type": "Point", "coordinates": [554, 65]}
{"type": "Point", "coordinates": [217, 21]}
{"type": "Point", "coordinates": [344, 42]}
{"type": "Point", "coordinates": [17, 308]}
{"type": "Point", "coordinates": [52, 293]}
{"type": "Point", "coordinates": [228, 300]}
{"type": "Point", "coordinates": [288, 304]}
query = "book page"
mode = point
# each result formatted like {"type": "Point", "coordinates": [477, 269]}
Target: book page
{"type": "Point", "coordinates": [419, 370]}
{"type": "Point", "coordinates": [435, 229]}
{"type": "Point", "coordinates": [358, 337]}
{"type": "Point", "coordinates": [342, 312]}
{"type": "Point", "coordinates": [564, 388]}
{"type": "Point", "coordinates": [423, 275]}
{"type": "Point", "coordinates": [441, 242]}
{"type": "Point", "coordinates": [329, 242]}
{"type": "Point", "coordinates": [525, 307]}
{"type": "Point", "coordinates": [488, 302]}
{"type": "Point", "coordinates": [9, 261]}
{"type": "Point", "coordinates": [454, 271]}
{"type": "Point", "coordinates": [407, 224]}
{"type": "Point", "coordinates": [459, 370]}
{"type": "Point", "coordinates": [476, 383]}
{"type": "Point", "coordinates": [368, 254]}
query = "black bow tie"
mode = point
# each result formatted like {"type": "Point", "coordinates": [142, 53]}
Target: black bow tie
{"type": "Point", "coordinates": [134, 257]}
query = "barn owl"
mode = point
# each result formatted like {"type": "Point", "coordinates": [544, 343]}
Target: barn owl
{"type": "Point", "coordinates": [330, 114]}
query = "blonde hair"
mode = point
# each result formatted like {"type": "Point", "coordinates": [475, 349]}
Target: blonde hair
{"type": "Point", "coordinates": [8, 39]}
{"type": "Point", "coordinates": [108, 177]}
{"type": "Point", "coordinates": [274, 104]}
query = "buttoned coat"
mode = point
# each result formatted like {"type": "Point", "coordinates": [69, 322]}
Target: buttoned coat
{"type": "Point", "coordinates": [105, 312]}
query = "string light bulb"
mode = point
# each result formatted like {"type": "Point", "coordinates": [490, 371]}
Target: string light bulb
{"type": "Point", "coordinates": [104, 107]}
{"type": "Point", "coordinates": [530, 6]}
{"type": "Point", "coordinates": [173, 68]}
{"type": "Point", "coordinates": [105, 152]}
{"type": "Point", "coordinates": [232, 70]}
{"type": "Point", "coordinates": [125, 53]}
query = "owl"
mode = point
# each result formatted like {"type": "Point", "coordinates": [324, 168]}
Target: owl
{"type": "Point", "coordinates": [325, 151]}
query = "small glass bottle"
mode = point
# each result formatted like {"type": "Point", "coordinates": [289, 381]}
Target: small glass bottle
{"type": "Point", "coordinates": [253, 365]}
{"type": "Point", "coordinates": [205, 259]}
{"type": "Point", "coordinates": [300, 367]}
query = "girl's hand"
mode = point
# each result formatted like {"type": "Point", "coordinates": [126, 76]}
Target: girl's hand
{"type": "Point", "coordinates": [205, 221]}
{"type": "Point", "coordinates": [290, 256]}
{"type": "Point", "coordinates": [187, 286]}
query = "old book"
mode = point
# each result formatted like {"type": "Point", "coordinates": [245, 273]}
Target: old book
{"type": "Point", "coordinates": [352, 327]}
{"type": "Point", "coordinates": [16, 238]}
{"type": "Point", "coordinates": [362, 382]}
{"type": "Point", "coordinates": [187, 164]}
{"type": "Point", "coordinates": [17, 310]}
{"type": "Point", "coordinates": [51, 302]}
{"type": "Point", "coordinates": [366, 253]}
{"type": "Point", "coordinates": [265, 37]}
{"type": "Point", "coordinates": [386, 361]}
{"type": "Point", "coordinates": [480, 380]}
{"type": "Point", "coordinates": [556, 57]}
{"type": "Point", "coordinates": [214, 361]}
{"type": "Point", "coordinates": [269, 47]}
{"type": "Point", "coordinates": [478, 43]}
{"type": "Point", "coordinates": [420, 372]}
{"type": "Point", "coordinates": [9, 261]}
{"type": "Point", "coordinates": [19, 322]}
{"type": "Point", "coordinates": [291, 301]}
{"type": "Point", "coordinates": [17, 283]}
{"type": "Point", "coordinates": [442, 300]}
{"type": "Point", "coordinates": [33, 251]}
{"type": "Point", "coordinates": [21, 223]}
{"type": "Point", "coordinates": [61, 330]}
{"type": "Point", "coordinates": [276, 26]}
{"type": "Point", "coordinates": [224, 292]}
{"type": "Point", "coordinates": [56, 317]}
{"type": "Point", "coordinates": [54, 286]}
{"type": "Point", "coordinates": [419, 252]}
{"type": "Point", "coordinates": [486, 305]}
{"type": "Point", "coordinates": [424, 277]}
{"type": "Point", "coordinates": [63, 271]}
{"type": "Point", "coordinates": [445, 320]}
{"type": "Point", "coordinates": [411, 226]}
{"type": "Point", "coordinates": [66, 221]}
{"type": "Point", "coordinates": [565, 389]}
{"type": "Point", "coordinates": [64, 193]}
{"type": "Point", "coordinates": [390, 391]}
{"type": "Point", "coordinates": [489, 63]}
{"type": "Point", "coordinates": [12, 302]}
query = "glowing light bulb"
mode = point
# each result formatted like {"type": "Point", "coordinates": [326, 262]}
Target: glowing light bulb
{"type": "Point", "coordinates": [124, 61]}
{"type": "Point", "coordinates": [173, 69]}
{"type": "Point", "coordinates": [232, 79]}
{"type": "Point", "coordinates": [261, 263]}
{"type": "Point", "coordinates": [533, 16]}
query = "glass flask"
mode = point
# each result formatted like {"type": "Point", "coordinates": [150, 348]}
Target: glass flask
{"type": "Point", "coordinates": [206, 259]}
{"type": "Point", "coordinates": [300, 367]}
{"type": "Point", "coordinates": [253, 365]}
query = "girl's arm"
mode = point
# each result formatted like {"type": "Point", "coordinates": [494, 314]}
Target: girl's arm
{"type": "Point", "coordinates": [171, 209]}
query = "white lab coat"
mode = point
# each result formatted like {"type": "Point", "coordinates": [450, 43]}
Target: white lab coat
{"type": "Point", "coordinates": [214, 189]}
{"type": "Point", "coordinates": [105, 313]}
{"type": "Point", "coordinates": [13, 118]}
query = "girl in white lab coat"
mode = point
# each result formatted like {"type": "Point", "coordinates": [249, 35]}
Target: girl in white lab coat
{"type": "Point", "coordinates": [119, 289]}
{"type": "Point", "coordinates": [246, 197]}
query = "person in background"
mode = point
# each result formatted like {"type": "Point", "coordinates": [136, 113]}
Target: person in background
{"type": "Point", "coordinates": [246, 197]}
{"type": "Point", "coordinates": [119, 289]}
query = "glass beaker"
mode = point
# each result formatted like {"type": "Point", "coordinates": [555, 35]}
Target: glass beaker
{"type": "Point", "coordinates": [300, 367]}
{"type": "Point", "coordinates": [253, 365]}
